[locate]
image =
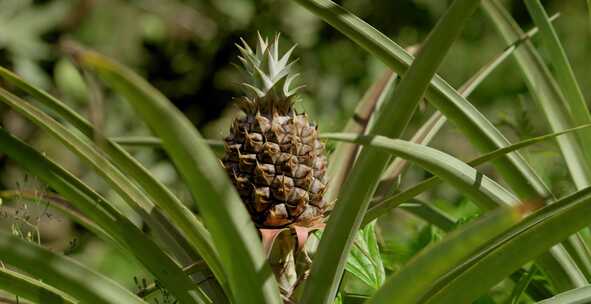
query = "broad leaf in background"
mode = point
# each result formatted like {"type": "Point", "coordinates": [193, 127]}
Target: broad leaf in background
{"type": "Point", "coordinates": [364, 261]}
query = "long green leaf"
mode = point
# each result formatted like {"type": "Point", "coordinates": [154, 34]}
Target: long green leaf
{"type": "Point", "coordinates": [548, 95]}
{"type": "Point", "coordinates": [344, 153]}
{"type": "Point", "coordinates": [154, 142]}
{"type": "Point", "coordinates": [589, 10]}
{"type": "Point", "coordinates": [481, 189]}
{"type": "Point", "coordinates": [394, 200]}
{"type": "Point", "coordinates": [575, 103]}
{"type": "Point", "coordinates": [231, 228]}
{"type": "Point", "coordinates": [544, 89]}
{"type": "Point", "coordinates": [479, 130]}
{"type": "Point", "coordinates": [89, 153]}
{"type": "Point", "coordinates": [514, 169]}
{"type": "Point", "coordinates": [391, 121]}
{"type": "Point", "coordinates": [521, 285]}
{"type": "Point", "coordinates": [580, 295]}
{"type": "Point", "coordinates": [63, 273]}
{"type": "Point", "coordinates": [30, 289]}
{"type": "Point", "coordinates": [565, 77]}
{"type": "Point", "coordinates": [413, 281]}
{"type": "Point", "coordinates": [435, 123]}
{"type": "Point", "coordinates": [142, 141]}
{"type": "Point", "coordinates": [390, 202]}
{"type": "Point", "coordinates": [194, 231]}
{"type": "Point", "coordinates": [515, 247]}
{"type": "Point", "coordinates": [97, 208]}
{"type": "Point", "coordinates": [430, 214]}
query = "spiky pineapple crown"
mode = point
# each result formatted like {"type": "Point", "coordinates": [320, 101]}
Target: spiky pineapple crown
{"type": "Point", "coordinates": [269, 78]}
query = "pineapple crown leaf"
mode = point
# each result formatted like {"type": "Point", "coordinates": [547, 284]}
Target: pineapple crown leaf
{"type": "Point", "coordinates": [254, 90]}
{"type": "Point", "coordinates": [269, 76]}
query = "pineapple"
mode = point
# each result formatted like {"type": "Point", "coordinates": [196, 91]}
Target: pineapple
{"type": "Point", "coordinates": [273, 155]}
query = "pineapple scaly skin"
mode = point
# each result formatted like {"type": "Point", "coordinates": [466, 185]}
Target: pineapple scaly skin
{"type": "Point", "coordinates": [273, 155]}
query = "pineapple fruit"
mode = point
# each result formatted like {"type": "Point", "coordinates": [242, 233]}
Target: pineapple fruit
{"type": "Point", "coordinates": [273, 155]}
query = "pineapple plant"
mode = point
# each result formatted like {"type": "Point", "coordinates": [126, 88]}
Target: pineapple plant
{"type": "Point", "coordinates": [273, 154]}
{"type": "Point", "coordinates": [276, 160]}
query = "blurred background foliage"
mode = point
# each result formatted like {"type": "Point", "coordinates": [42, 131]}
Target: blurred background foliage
{"type": "Point", "coordinates": [186, 49]}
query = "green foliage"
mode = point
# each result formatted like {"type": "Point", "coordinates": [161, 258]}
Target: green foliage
{"type": "Point", "coordinates": [21, 26]}
{"type": "Point", "coordinates": [160, 222]}
{"type": "Point", "coordinates": [579, 295]}
{"type": "Point", "coordinates": [365, 261]}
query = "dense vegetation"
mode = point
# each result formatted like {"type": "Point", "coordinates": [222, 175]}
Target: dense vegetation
{"type": "Point", "coordinates": [460, 175]}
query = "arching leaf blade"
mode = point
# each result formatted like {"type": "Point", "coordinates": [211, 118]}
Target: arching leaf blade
{"type": "Point", "coordinates": [580, 295]}
{"type": "Point", "coordinates": [63, 273]}
{"type": "Point", "coordinates": [515, 247]}
{"type": "Point", "coordinates": [412, 282]}
{"type": "Point", "coordinates": [394, 200]}
{"type": "Point", "coordinates": [549, 97]}
{"type": "Point", "coordinates": [223, 213]}
{"type": "Point", "coordinates": [565, 77]}
{"type": "Point", "coordinates": [482, 190]}
{"type": "Point", "coordinates": [344, 153]}
{"type": "Point", "coordinates": [88, 152]}
{"type": "Point", "coordinates": [479, 130]}
{"type": "Point", "coordinates": [437, 120]}
{"type": "Point", "coordinates": [193, 230]}
{"type": "Point", "coordinates": [391, 121]}
{"type": "Point", "coordinates": [30, 289]}
{"type": "Point", "coordinates": [126, 235]}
